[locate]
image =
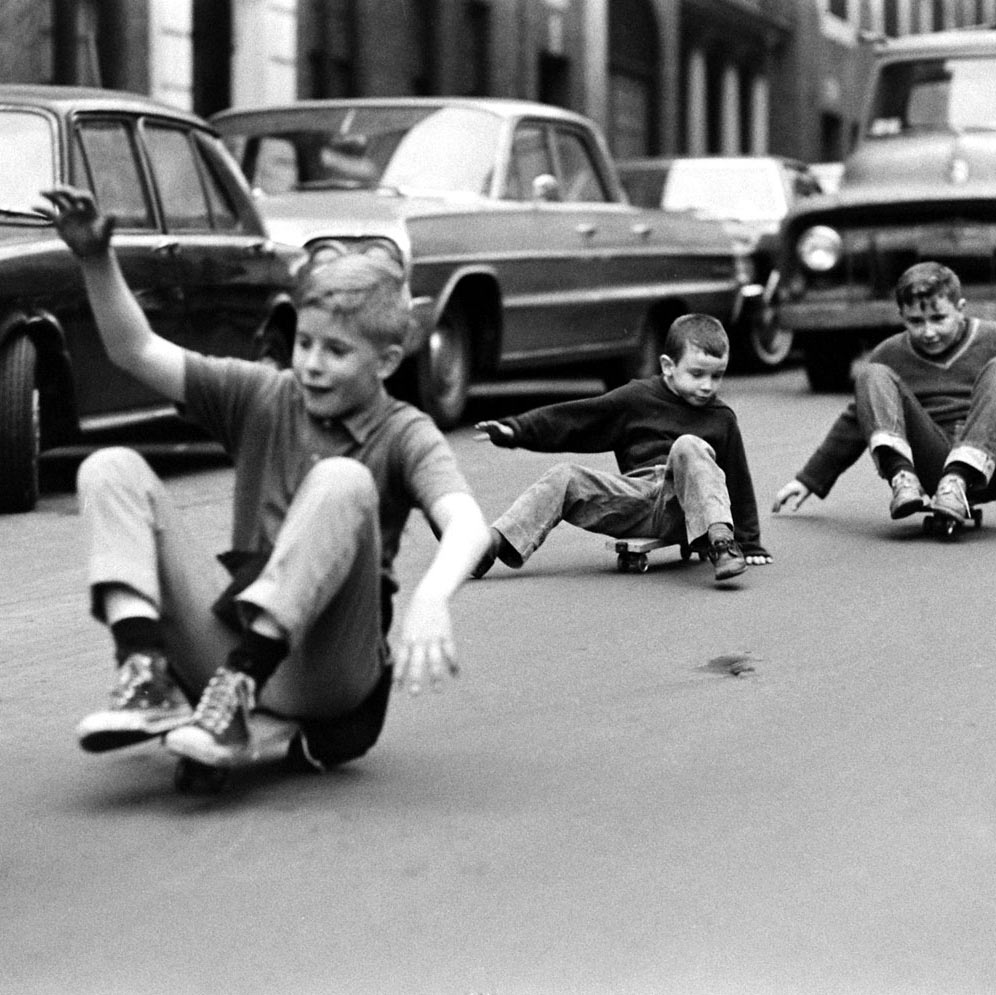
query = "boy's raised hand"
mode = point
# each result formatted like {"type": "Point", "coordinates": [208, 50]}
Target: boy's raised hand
{"type": "Point", "coordinates": [793, 494]}
{"type": "Point", "coordinates": [74, 213]}
{"type": "Point", "coordinates": [498, 433]}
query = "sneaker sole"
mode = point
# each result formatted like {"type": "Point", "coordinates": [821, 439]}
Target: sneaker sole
{"type": "Point", "coordinates": [908, 508]}
{"type": "Point", "coordinates": [195, 744]}
{"type": "Point", "coordinates": [97, 736]}
{"type": "Point", "coordinates": [728, 573]}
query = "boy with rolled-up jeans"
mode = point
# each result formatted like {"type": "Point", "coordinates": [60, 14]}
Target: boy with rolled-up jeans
{"type": "Point", "coordinates": [924, 406]}
{"type": "Point", "coordinates": [683, 471]}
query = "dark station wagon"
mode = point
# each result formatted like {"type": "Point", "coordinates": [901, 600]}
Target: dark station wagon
{"type": "Point", "coordinates": [190, 242]}
{"type": "Point", "coordinates": [525, 252]}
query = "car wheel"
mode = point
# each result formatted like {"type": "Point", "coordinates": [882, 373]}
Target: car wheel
{"type": "Point", "coordinates": [766, 345]}
{"type": "Point", "coordinates": [443, 368]}
{"type": "Point", "coordinates": [20, 435]}
{"type": "Point", "coordinates": [644, 361]}
{"type": "Point", "coordinates": [828, 365]}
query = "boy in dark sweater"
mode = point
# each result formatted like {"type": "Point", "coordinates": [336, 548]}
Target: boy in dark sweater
{"type": "Point", "coordinates": [683, 471]}
{"type": "Point", "coordinates": [924, 406]}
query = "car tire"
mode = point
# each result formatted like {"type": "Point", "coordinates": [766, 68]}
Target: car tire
{"type": "Point", "coordinates": [443, 368]}
{"type": "Point", "coordinates": [764, 344]}
{"type": "Point", "coordinates": [20, 434]}
{"type": "Point", "coordinates": [644, 361]}
{"type": "Point", "coordinates": [828, 365]}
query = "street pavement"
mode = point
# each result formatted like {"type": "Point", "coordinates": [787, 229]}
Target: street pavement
{"type": "Point", "coordinates": [591, 808]}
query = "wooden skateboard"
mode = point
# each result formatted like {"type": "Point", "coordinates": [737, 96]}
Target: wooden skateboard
{"type": "Point", "coordinates": [631, 554]}
{"type": "Point", "coordinates": [947, 527]}
{"type": "Point", "coordinates": [271, 737]}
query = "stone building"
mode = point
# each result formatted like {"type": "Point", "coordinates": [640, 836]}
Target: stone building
{"type": "Point", "coordinates": [660, 76]}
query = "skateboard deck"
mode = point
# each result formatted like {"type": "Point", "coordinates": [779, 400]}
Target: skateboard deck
{"type": "Point", "coordinates": [271, 737]}
{"type": "Point", "coordinates": [631, 553]}
{"type": "Point", "coordinates": [947, 528]}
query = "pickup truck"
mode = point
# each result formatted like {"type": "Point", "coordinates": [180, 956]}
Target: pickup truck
{"type": "Point", "coordinates": [919, 185]}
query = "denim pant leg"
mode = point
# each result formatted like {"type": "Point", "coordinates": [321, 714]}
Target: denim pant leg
{"type": "Point", "coordinates": [699, 484]}
{"type": "Point", "coordinates": [891, 416]}
{"type": "Point", "coordinates": [136, 539]}
{"type": "Point", "coordinates": [608, 503]}
{"type": "Point", "coordinates": [322, 584]}
{"type": "Point", "coordinates": [976, 442]}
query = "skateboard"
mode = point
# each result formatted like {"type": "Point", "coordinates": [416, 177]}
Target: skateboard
{"type": "Point", "coordinates": [271, 737]}
{"type": "Point", "coordinates": [947, 528]}
{"type": "Point", "coordinates": [631, 554]}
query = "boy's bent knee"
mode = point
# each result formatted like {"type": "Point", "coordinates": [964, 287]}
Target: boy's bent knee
{"type": "Point", "coordinates": [686, 446]}
{"type": "Point", "coordinates": [344, 479]}
{"type": "Point", "coordinates": [868, 373]}
{"type": "Point", "coordinates": [111, 464]}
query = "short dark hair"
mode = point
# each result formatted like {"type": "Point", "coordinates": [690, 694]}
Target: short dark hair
{"type": "Point", "coordinates": [926, 280]}
{"type": "Point", "coordinates": [700, 330]}
{"type": "Point", "coordinates": [365, 290]}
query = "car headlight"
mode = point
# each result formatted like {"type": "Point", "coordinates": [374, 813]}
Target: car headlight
{"type": "Point", "coordinates": [819, 248]}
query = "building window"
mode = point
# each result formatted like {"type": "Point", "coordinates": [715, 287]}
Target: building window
{"type": "Point", "coordinates": [477, 16]}
{"type": "Point", "coordinates": [837, 8]}
{"type": "Point", "coordinates": [890, 17]}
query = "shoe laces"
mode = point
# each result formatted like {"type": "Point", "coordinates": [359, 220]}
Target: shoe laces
{"type": "Point", "coordinates": [227, 692]}
{"type": "Point", "coordinates": [951, 486]}
{"type": "Point", "coordinates": [905, 478]}
{"type": "Point", "coordinates": [137, 672]}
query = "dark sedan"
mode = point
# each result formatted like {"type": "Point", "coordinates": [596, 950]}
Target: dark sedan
{"type": "Point", "coordinates": [191, 246]}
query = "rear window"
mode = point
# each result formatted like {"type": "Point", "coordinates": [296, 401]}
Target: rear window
{"type": "Point", "coordinates": [27, 164]}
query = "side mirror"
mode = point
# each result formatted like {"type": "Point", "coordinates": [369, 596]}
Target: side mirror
{"type": "Point", "coordinates": [546, 188]}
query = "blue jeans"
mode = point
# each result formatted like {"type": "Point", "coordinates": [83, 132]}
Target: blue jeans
{"type": "Point", "coordinates": [677, 501]}
{"type": "Point", "coordinates": [890, 416]}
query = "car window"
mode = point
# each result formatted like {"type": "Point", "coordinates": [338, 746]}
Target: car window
{"type": "Point", "coordinates": [174, 166]}
{"type": "Point", "coordinates": [530, 158]}
{"type": "Point", "coordinates": [579, 180]}
{"type": "Point", "coordinates": [104, 161]}
{"type": "Point", "coordinates": [224, 216]}
{"type": "Point", "coordinates": [276, 165]}
{"type": "Point", "coordinates": [28, 164]}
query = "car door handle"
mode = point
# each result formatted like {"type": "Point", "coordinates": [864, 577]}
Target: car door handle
{"type": "Point", "coordinates": [641, 230]}
{"type": "Point", "coordinates": [585, 230]}
{"type": "Point", "coordinates": [168, 248]}
{"type": "Point", "coordinates": [264, 248]}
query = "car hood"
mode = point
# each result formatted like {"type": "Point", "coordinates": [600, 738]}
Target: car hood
{"type": "Point", "coordinates": [931, 167]}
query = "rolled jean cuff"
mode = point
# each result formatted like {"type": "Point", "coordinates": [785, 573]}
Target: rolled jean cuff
{"type": "Point", "coordinates": [889, 440]}
{"type": "Point", "coordinates": [977, 459]}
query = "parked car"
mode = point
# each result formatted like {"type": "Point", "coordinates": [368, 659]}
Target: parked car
{"type": "Point", "coordinates": [919, 185]}
{"type": "Point", "coordinates": [190, 243]}
{"type": "Point", "coordinates": [525, 254]}
{"type": "Point", "coordinates": [750, 195]}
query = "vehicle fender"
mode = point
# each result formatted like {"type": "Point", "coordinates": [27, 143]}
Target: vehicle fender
{"type": "Point", "coordinates": [478, 290]}
{"type": "Point", "coordinates": [57, 391]}
{"type": "Point", "coordinates": [274, 338]}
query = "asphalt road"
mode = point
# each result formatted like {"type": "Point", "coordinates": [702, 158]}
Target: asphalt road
{"type": "Point", "coordinates": [590, 809]}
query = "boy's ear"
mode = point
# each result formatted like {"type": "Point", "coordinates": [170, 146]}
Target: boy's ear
{"type": "Point", "coordinates": [389, 360]}
{"type": "Point", "coordinates": [667, 363]}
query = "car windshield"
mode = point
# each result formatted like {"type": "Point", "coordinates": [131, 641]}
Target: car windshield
{"type": "Point", "coordinates": [27, 164]}
{"type": "Point", "coordinates": [933, 95]}
{"type": "Point", "coordinates": [732, 191]}
{"type": "Point", "coordinates": [448, 150]}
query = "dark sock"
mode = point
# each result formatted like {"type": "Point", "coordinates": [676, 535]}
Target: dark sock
{"type": "Point", "coordinates": [890, 462]}
{"type": "Point", "coordinates": [136, 635]}
{"type": "Point", "coordinates": [258, 656]}
{"type": "Point", "coordinates": [971, 476]}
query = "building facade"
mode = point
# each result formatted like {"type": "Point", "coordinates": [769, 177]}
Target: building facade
{"type": "Point", "coordinates": [660, 76]}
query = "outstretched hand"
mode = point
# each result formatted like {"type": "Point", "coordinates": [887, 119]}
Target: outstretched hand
{"type": "Point", "coordinates": [793, 494]}
{"type": "Point", "coordinates": [497, 432]}
{"type": "Point", "coordinates": [427, 653]}
{"type": "Point", "coordinates": [82, 227]}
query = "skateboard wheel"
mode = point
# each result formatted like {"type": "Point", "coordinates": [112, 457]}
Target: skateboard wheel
{"type": "Point", "coordinates": [686, 551]}
{"type": "Point", "coordinates": [193, 778]}
{"type": "Point", "coordinates": [622, 563]}
{"type": "Point", "coordinates": [977, 517]}
{"type": "Point", "coordinates": [642, 563]}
